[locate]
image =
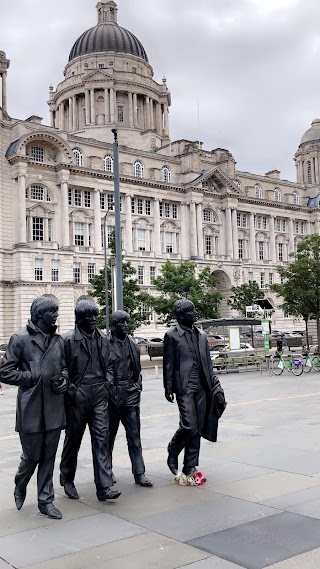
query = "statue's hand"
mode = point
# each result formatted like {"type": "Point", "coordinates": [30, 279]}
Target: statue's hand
{"type": "Point", "coordinates": [169, 396]}
{"type": "Point", "coordinates": [59, 386]}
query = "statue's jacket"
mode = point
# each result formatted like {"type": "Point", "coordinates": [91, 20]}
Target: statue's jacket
{"type": "Point", "coordinates": [30, 365]}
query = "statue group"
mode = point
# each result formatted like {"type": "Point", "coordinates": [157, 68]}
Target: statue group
{"type": "Point", "coordinates": [85, 378]}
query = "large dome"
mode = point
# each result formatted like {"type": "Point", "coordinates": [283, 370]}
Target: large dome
{"type": "Point", "coordinates": [107, 36]}
{"type": "Point", "coordinates": [313, 133]}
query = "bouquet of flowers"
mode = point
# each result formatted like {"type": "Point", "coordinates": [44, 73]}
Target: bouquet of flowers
{"type": "Point", "coordinates": [194, 478]}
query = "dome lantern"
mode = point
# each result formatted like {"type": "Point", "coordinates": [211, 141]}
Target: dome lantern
{"type": "Point", "coordinates": [107, 11]}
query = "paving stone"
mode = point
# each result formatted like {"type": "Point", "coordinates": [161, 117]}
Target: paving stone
{"type": "Point", "coordinates": [212, 562]}
{"type": "Point", "coordinates": [211, 515]}
{"type": "Point", "coordinates": [311, 508]}
{"type": "Point", "coordinates": [300, 497]}
{"type": "Point", "coordinates": [263, 542]}
{"type": "Point", "coordinates": [267, 486]}
{"type": "Point", "coordinates": [309, 560]}
{"type": "Point", "coordinates": [232, 472]}
{"type": "Point", "coordinates": [4, 565]}
{"type": "Point", "coordinates": [64, 538]}
{"type": "Point", "coordinates": [280, 457]}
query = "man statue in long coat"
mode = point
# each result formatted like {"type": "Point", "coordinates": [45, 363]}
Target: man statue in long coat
{"type": "Point", "coordinates": [35, 363]}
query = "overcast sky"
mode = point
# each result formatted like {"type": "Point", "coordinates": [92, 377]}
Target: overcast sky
{"type": "Point", "coordinates": [252, 66]}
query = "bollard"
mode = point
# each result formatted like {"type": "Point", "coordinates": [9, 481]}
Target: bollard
{"type": "Point", "coordinates": [156, 372]}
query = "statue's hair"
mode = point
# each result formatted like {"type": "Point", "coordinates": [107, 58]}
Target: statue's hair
{"type": "Point", "coordinates": [41, 305]}
{"type": "Point", "coordinates": [180, 306]}
{"type": "Point", "coordinates": [117, 316]}
{"type": "Point", "coordinates": [85, 307]}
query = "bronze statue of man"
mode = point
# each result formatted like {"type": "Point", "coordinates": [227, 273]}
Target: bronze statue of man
{"type": "Point", "coordinates": [188, 375]}
{"type": "Point", "coordinates": [35, 362]}
{"type": "Point", "coordinates": [90, 384]}
{"type": "Point", "coordinates": [125, 399]}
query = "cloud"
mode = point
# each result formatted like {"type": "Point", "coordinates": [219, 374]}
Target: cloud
{"type": "Point", "coordinates": [250, 65]}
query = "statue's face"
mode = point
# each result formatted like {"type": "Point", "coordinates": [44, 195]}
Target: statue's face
{"type": "Point", "coordinates": [88, 322]}
{"type": "Point", "coordinates": [188, 316]}
{"type": "Point", "coordinates": [49, 317]}
{"type": "Point", "coordinates": [121, 328]}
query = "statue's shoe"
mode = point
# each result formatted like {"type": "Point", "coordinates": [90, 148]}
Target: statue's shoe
{"type": "Point", "coordinates": [50, 510]}
{"type": "Point", "coordinates": [142, 480]}
{"type": "Point", "coordinates": [19, 497]}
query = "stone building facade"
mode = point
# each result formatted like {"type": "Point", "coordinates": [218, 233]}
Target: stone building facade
{"type": "Point", "coordinates": [178, 200]}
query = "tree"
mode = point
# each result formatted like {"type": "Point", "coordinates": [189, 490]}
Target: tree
{"type": "Point", "coordinates": [180, 280]}
{"type": "Point", "coordinates": [244, 295]}
{"type": "Point", "coordinates": [135, 301]}
{"type": "Point", "coordinates": [301, 287]}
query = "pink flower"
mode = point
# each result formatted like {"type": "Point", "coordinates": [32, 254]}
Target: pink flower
{"type": "Point", "coordinates": [199, 478]}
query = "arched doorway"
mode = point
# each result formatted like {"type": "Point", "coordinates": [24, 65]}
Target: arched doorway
{"type": "Point", "coordinates": [223, 286]}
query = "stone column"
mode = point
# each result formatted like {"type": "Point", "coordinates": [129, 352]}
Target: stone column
{"type": "Point", "coordinates": [135, 110]}
{"type": "Point", "coordinates": [151, 115]}
{"type": "Point", "coordinates": [252, 239]}
{"type": "Point", "coordinates": [184, 232]}
{"type": "Point", "coordinates": [61, 116]}
{"type": "Point", "coordinates": [52, 121]}
{"type": "Point", "coordinates": [112, 105]}
{"type": "Point", "coordinates": [63, 179]}
{"type": "Point", "coordinates": [56, 118]}
{"type": "Point", "coordinates": [115, 106]}
{"type": "Point", "coordinates": [106, 108]}
{"type": "Point", "coordinates": [316, 168]}
{"type": "Point", "coordinates": [128, 226]}
{"type": "Point", "coordinates": [166, 119]}
{"type": "Point", "coordinates": [235, 234]}
{"type": "Point", "coordinates": [130, 109]}
{"type": "Point", "coordinates": [200, 231]}
{"type": "Point", "coordinates": [75, 113]}
{"type": "Point", "coordinates": [157, 234]}
{"type": "Point", "coordinates": [193, 231]}
{"type": "Point", "coordinates": [97, 222]}
{"type": "Point", "coordinates": [229, 233]}
{"type": "Point", "coordinates": [88, 109]}
{"type": "Point", "coordinates": [20, 215]}
{"type": "Point", "coordinates": [159, 118]}
{"type": "Point", "coordinates": [147, 114]}
{"type": "Point", "coordinates": [291, 237]}
{"type": "Point", "coordinates": [70, 114]}
{"type": "Point", "coordinates": [272, 240]}
{"type": "Point", "coordinates": [4, 91]}
{"type": "Point", "coordinates": [92, 107]}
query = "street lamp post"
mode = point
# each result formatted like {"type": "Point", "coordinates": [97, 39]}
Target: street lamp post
{"type": "Point", "coordinates": [119, 286]}
{"type": "Point", "coordinates": [106, 289]}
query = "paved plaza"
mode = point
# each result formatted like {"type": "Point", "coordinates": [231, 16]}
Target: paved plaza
{"type": "Point", "coordinates": [260, 506]}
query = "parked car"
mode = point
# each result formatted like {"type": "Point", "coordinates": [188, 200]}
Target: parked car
{"type": "Point", "coordinates": [245, 349]}
{"type": "Point", "coordinates": [140, 340]}
{"type": "Point", "coordinates": [155, 339]}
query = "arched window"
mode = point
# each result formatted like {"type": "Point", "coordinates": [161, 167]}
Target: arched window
{"type": "Point", "coordinates": [295, 198]}
{"type": "Point", "coordinates": [166, 174]}
{"type": "Point", "coordinates": [238, 183]}
{"type": "Point", "coordinates": [78, 156]}
{"type": "Point", "coordinates": [258, 191]}
{"type": "Point", "coordinates": [138, 169]}
{"type": "Point", "coordinates": [38, 193]}
{"type": "Point", "coordinates": [277, 195]}
{"type": "Point", "coordinates": [108, 164]}
{"type": "Point", "coordinates": [36, 153]}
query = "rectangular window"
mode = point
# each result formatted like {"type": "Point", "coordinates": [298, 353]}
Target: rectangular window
{"type": "Point", "coordinates": [169, 242]}
{"type": "Point", "coordinates": [244, 220]}
{"type": "Point", "coordinates": [90, 234]}
{"type": "Point", "coordinates": [87, 198]}
{"type": "Point", "coordinates": [207, 215]}
{"type": "Point", "coordinates": [278, 224]}
{"type": "Point", "coordinates": [55, 269]}
{"type": "Point", "coordinates": [280, 251]}
{"type": "Point", "coordinates": [174, 211]}
{"type": "Point", "coordinates": [79, 234]}
{"type": "Point", "coordinates": [38, 270]}
{"type": "Point", "coordinates": [261, 250]}
{"type": "Point", "coordinates": [167, 210]}
{"type": "Point", "coordinates": [110, 202]}
{"type": "Point", "coordinates": [297, 226]}
{"type": "Point", "coordinates": [302, 228]}
{"type": "Point", "coordinates": [264, 222]}
{"type": "Point", "coordinates": [36, 153]}
{"type": "Point", "coordinates": [140, 275]}
{"type": "Point", "coordinates": [77, 198]}
{"type": "Point", "coordinates": [76, 273]}
{"type": "Point", "coordinates": [37, 193]}
{"type": "Point", "coordinates": [101, 65]}
{"type": "Point", "coordinates": [284, 225]}
{"type": "Point", "coordinates": [282, 280]}
{"type": "Point", "coordinates": [160, 209]}
{"type": "Point", "coordinates": [102, 201]}
{"type": "Point", "coordinates": [240, 248]}
{"type": "Point", "coordinates": [133, 205]}
{"type": "Point", "coordinates": [259, 222]}
{"type": "Point", "coordinates": [152, 274]}
{"type": "Point", "coordinates": [208, 244]}
{"type": "Point", "coordinates": [50, 230]}
{"type": "Point", "coordinates": [37, 229]}
{"type": "Point", "coordinates": [91, 270]}
{"type": "Point", "coordinates": [120, 113]}
{"type": "Point", "coordinates": [110, 236]}
{"type": "Point", "coordinates": [139, 206]}
{"type": "Point", "coordinates": [261, 280]}
{"type": "Point", "coordinates": [250, 276]}
{"type": "Point", "coordinates": [238, 219]}
{"type": "Point", "coordinates": [141, 239]}
{"type": "Point", "coordinates": [270, 278]}
{"type": "Point", "coordinates": [148, 207]}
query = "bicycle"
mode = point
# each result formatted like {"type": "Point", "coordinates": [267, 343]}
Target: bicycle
{"type": "Point", "coordinates": [316, 359]}
{"type": "Point", "coordinates": [307, 361]}
{"type": "Point", "coordinates": [293, 364]}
